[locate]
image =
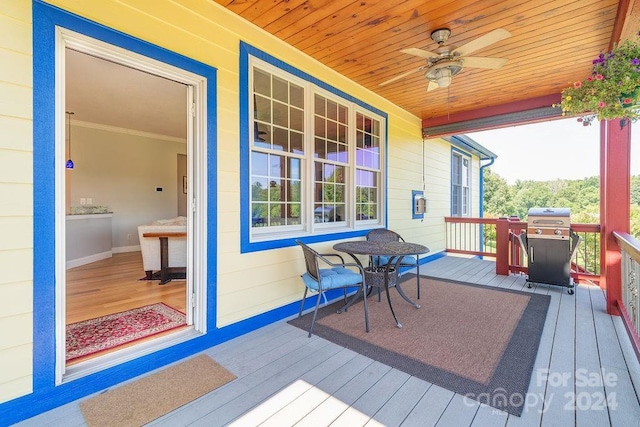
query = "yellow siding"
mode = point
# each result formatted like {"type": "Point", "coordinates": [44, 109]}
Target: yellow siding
{"type": "Point", "coordinates": [249, 284]}
{"type": "Point", "coordinates": [16, 207]}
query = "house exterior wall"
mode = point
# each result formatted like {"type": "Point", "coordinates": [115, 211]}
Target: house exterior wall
{"type": "Point", "coordinates": [247, 284]}
{"type": "Point", "coordinates": [16, 200]}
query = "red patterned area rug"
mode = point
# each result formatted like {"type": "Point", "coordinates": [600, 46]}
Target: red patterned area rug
{"type": "Point", "coordinates": [102, 333]}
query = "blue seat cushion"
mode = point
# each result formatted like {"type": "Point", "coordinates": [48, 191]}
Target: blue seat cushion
{"type": "Point", "coordinates": [383, 260]}
{"type": "Point", "coordinates": [336, 277]}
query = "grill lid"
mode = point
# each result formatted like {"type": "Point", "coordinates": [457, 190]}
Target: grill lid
{"type": "Point", "coordinates": [549, 223]}
{"type": "Point", "coordinates": [546, 212]}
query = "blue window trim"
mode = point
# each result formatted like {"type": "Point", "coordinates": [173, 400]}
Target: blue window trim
{"type": "Point", "coordinates": [246, 50]}
{"type": "Point", "coordinates": [415, 193]}
{"type": "Point", "coordinates": [470, 156]}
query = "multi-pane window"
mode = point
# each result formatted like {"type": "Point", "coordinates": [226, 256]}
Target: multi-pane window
{"type": "Point", "coordinates": [460, 185]}
{"type": "Point", "coordinates": [367, 167]}
{"type": "Point", "coordinates": [315, 158]}
{"type": "Point", "coordinates": [331, 154]}
{"type": "Point", "coordinates": [278, 132]}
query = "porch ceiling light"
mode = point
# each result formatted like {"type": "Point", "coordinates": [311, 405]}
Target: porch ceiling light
{"type": "Point", "coordinates": [442, 72]}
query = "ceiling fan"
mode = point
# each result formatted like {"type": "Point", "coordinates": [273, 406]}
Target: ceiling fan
{"type": "Point", "coordinates": [449, 60]}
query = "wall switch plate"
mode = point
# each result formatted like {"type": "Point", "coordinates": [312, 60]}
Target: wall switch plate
{"type": "Point", "coordinates": [83, 201]}
{"type": "Point", "coordinates": [89, 201]}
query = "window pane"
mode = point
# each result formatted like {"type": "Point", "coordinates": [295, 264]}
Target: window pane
{"type": "Point", "coordinates": [320, 127]}
{"type": "Point", "coordinates": [259, 214]}
{"type": "Point", "coordinates": [297, 119]}
{"type": "Point", "coordinates": [280, 139]}
{"type": "Point", "coordinates": [332, 131]}
{"type": "Point", "coordinates": [332, 110]}
{"type": "Point", "coordinates": [280, 90]}
{"type": "Point", "coordinates": [280, 114]}
{"type": "Point", "coordinates": [295, 139]}
{"type": "Point", "coordinates": [259, 190]}
{"type": "Point", "coordinates": [342, 114]}
{"type": "Point", "coordinates": [262, 108]}
{"type": "Point", "coordinates": [262, 135]}
{"type": "Point", "coordinates": [259, 164]}
{"type": "Point", "coordinates": [332, 151]}
{"type": "Point", "coordinates": [343, 153]}
{"type": "Point", "coordinates": [294, 169]}
{"type": "Point", "coordinates": [319, 148]}
{"type": "Point", "coordinates": [320, 106]}
{"type": "Point", "coordinates": [261, 82]}
{"type": "Point", "coordinates": [455, 200]}
{"type": "Point", "coordinates": [342, 133]}
{"type": "Point", "coordinates": [297, 96]}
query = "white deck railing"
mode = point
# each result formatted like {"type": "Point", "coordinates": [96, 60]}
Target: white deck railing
{"type": "Point", "coordinates": [630, 259]}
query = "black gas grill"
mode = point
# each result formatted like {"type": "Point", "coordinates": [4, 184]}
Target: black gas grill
{"type": "Point", "coordinates": [550, 246]}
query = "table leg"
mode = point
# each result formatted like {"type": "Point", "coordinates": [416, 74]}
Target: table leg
{"type": "Point", "coordinates": [386, 288]}
{"type": "Point", "coordinates": [399, 288]}
{"type": "Point", "coordinates": [164, 260]}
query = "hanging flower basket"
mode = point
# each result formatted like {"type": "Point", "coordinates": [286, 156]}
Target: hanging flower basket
{"type": "Point", "coordinates": [612, 91]}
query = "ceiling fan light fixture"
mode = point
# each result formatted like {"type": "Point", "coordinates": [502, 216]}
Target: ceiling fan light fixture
{"type": "Point", "coordinates": [442, 72]}
{"type": "Point", "coordinates": [442, 77]}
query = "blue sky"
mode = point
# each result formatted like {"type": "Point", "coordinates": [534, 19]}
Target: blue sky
{"type": "Point", "coordinates": [560, 149]}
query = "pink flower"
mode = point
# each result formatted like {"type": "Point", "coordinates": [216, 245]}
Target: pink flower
{"type": "Point", "coordinates": [627, 101]}
{"type": "Point", "coordinates": [599, 77]}
{"type": "Point", "coordinates": [589, 79]}
{"type": "Point", "coordinates": [577, 84]}
{"type": "Point", "coordinates": [601, 104]}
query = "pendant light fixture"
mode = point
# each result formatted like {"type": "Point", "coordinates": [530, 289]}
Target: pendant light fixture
{"type": "Point", "coordinates": [69, 164]}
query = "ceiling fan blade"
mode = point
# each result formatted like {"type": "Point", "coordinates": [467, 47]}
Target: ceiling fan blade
{"type": "Point", "coordinates": [420, 52]}
{"type": "Point", "coordinates": [432, 86]}
{"type": "Point", "coordinates": [402, 75]}
{"type": "Point", "coordinates": [483, 62]}
{"type": "Point", "coordinates": [482, 41]}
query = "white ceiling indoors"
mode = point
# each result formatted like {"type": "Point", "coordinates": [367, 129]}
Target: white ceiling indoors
{"type": "Point", "coordinates": [105, 93]}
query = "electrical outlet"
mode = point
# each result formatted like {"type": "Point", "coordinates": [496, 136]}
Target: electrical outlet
{"type": "Point", "coordinates": [83, 201]}
{"type": "Point", "coordinates": [128, 236]}
{"type": "Point", "coordinates": [89, 201]}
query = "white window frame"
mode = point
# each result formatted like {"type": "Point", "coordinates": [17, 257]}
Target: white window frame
{"type": "Point", "coordinates": [308, 226]}
{"type": "Point", "coordinates": [464, 183]}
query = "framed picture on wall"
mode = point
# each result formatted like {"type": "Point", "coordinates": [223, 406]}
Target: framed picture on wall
{"type": "Point", "coordinates": [184, 184]}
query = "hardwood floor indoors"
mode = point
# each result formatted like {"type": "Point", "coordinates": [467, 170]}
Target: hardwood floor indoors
{"type": "Point", "coordinates": [113, 285]}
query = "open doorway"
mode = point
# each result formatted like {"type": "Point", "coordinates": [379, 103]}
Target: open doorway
{"type": "Point", "coordinates": [129, 251]}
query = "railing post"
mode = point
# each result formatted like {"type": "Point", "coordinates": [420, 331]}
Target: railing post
{"type": "Point", "coordinates": [615, 149]}
{"type": "Point", "coordinates": [502, 246]}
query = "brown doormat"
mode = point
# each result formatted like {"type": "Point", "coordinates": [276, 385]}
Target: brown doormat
{"type": "Point", "coordinates": [474, 340]}
{"type": "Point", "coordinates": [151, 397]}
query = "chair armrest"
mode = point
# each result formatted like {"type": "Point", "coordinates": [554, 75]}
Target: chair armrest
{"type": "Point", "coordinates": [324, 256]}
{"type": "Point", "coordinates": [341, 264]}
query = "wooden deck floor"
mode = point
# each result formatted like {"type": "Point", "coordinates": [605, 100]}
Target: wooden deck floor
{"type": "Point", "coordinates": [285, 378]}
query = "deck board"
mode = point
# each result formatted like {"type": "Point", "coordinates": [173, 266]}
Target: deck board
{"type": "Point", "coordinates": [286, 378]}
{"type": "Point", "coordinates": [562, 365]}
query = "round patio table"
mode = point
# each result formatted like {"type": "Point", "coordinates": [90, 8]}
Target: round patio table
{"type": "Point", "coordinates": [385, 276]}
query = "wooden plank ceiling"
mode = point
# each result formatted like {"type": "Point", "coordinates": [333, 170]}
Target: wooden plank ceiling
{"type": "Point", "coordinates": [553, 43]}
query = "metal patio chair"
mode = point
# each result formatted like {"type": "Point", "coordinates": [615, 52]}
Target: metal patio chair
{"type": "Point", "coordinates": [386, 235]}
{"type": "Point", "coordinates": [321, 280]}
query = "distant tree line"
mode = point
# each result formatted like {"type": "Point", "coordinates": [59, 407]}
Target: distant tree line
{"type": "Point", "coordinates": [582, 196]}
